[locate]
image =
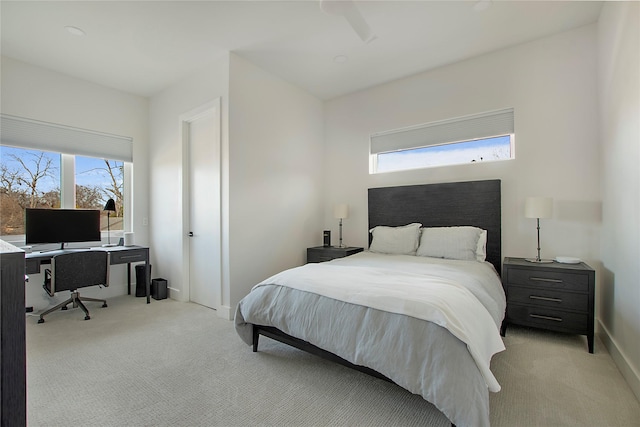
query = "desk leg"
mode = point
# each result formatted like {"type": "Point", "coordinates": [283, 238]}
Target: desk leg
{"type": "Point", "coordinates": [148, 280]}
{"type": "Point", "coordinates": [128, 278]}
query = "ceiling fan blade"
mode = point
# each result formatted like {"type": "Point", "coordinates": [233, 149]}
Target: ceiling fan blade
{"type": "Point", "coordinates": [351, 13]}
{"type": "Point", "coordinates": [358, 23]}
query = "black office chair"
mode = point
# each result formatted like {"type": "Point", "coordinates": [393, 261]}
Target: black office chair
{"type": "Point", "coordinates": [73, 270]}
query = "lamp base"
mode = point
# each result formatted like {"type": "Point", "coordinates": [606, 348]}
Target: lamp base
{"type": "Point", "coordinates": [539, 261]}
{"type": "Point", "coordinates": [109, 245]}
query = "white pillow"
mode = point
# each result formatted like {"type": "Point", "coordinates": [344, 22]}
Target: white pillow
{"type": "Point", "coordinates": [395, 240]}
{"type": "Point", "coordinates": [452, 243]}
{"type": "Point", "coordinates": [481, 250]}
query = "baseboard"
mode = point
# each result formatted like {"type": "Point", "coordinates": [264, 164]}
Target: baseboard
{"type": "Point", "coordinates": [619, 358]}
{"type": "Point", "coordinates": [225, 312]}
{"type": "Point", "coordinates": [174, 293]}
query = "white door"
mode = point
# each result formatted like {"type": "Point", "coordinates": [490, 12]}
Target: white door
{"type": "Point", "coordinates": [204, 203]}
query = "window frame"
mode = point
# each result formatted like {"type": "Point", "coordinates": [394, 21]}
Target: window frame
{"type": "Point", "coordinates": [70, 141]}
{"type": "Point", "coordinates": [68, 193]}
{"type": "Point", "coordinates": [457, 130]}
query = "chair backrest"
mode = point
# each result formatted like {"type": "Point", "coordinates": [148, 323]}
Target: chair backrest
{"type": "Point", "coordinates": [73, 270]}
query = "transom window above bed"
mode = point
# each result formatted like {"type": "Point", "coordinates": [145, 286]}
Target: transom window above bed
{"type": "Point", "coordinates": [470, 139]}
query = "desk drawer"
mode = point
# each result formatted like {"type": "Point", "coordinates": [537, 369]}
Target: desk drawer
{"type": "Point", "coordinates": [544, 297]}
{"type": "Point", "coordinates": [32, 266]}
{"type": "Point", "coordinates": [548, 279]}
{"type": "Point", "coordinates": [132, 255]}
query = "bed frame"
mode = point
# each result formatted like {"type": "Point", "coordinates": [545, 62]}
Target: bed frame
{"type": "Point", "coordinates": [476, 203]}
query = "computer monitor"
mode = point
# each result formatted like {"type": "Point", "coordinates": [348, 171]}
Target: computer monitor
{"type": "Point", "coordinates": [61, 226]}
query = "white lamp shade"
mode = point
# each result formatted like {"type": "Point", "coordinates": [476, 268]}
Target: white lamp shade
{"type": "Point", "coordinates": [538, 207]}
{"type": "Point", "coordinates": [341, 211]}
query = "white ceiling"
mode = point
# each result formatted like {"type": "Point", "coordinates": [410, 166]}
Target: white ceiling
{"type": "Point", "coordinates": [142, 47]}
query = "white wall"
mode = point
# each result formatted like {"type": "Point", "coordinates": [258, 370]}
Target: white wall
{"type": "Point", "coordinates": [551, 83]}
{"type": "Point", "coordinates": [275, 175]}
{"type": "Point", "coordinates": [619, 89]}
{"type": "Point", "coordinates": [271, 174]}
{"type": "Point", "coordinates": [41, 94]}
{"type": "Point", "coordinates": [166, 159]}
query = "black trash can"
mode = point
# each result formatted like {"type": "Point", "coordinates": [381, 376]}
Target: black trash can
{"type": "Point", "coordinates": [141, 280]}
{"type": "Point", "coordinates": [159, 288]}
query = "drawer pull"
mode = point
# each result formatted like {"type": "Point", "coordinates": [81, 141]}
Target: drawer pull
{"type": "Point", "coordinates": [544, 279]}
{"type": "Point", "coordinates": [537, 316]}
{"type": "Point", "coordinates": [130, 256]}
{"type": "Point", "coordinates": [545, 298]}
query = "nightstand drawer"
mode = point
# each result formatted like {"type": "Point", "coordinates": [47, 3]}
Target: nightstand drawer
{"type": "Point", "coordinates": [548, 279]}
{"type": "Point", "coordinates": [545, 297]}
{"type": "Point", "coordinates": [316, 257]}
{"type": "Point", "coordinates": [548, 318]}
{"type": "Point", "coordinates": [327, 253]}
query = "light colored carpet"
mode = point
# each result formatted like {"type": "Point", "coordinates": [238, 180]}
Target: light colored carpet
{"type": "Point", "coordinates": [177, 364]}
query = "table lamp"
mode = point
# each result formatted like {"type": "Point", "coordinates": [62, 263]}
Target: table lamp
{"type": "Point", "coordinates": [341, 211]}
{"type": "Point", "coordinates": [110, 206]}
{"type": "Point", "coordinates": [538, 207]}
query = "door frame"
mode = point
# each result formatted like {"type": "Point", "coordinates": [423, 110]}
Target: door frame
{"type": "Point", "coordinates": [185, 120]}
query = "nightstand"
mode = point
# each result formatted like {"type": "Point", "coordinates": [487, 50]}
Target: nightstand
{"type": "Point", "coordinates": [327, 253]}
{"type": "Point", "coordinates": [554, 296]}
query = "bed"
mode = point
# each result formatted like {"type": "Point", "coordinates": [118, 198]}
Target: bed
{"type": "Point", "coordinates": [427, 320]}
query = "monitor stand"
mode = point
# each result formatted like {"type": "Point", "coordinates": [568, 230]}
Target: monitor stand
{"type": "Point", "coordinates": [53, 250]}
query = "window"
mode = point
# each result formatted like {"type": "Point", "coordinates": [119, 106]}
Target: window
{"type": "Point", "coordinates": [33, 179]}
{"type": "Point", "coordinates": [29, 179]}
{"type": "Point", "coordinates": [49, 165]}
{"type": "Point", "coordinates": [96, 181]}
{"type": "Point", "coordinates": [479, 150]}
{"type": "Point", "coordinates": [470, 139]}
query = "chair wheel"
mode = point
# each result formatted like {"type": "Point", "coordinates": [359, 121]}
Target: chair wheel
{"type": "Point", "coordinates": [40, 320]}
{"type": "Point", "coordinates": [104, 305]}
{"type": "Point", "coordinates": [87, 317]}
{"type": "Point", "coordinates": [64, 308]}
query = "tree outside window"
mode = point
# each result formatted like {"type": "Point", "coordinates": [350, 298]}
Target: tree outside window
{"type": "Point", "coordinates": [98, 180]}
{"type": "Point", "coordinates": [29, 179]}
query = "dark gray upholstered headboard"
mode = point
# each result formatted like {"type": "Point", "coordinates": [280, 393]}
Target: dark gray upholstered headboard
{"type": "Point", "coordinates": [474, 203]}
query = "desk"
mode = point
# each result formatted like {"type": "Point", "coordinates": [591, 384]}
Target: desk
{"type": "Point", "coordinates": [118, 255]}
{"type": "Point", "coordinates": [13, 362]}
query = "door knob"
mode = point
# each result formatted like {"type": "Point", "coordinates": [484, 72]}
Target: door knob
{"type": "Point", "coordinates": [191, 234]}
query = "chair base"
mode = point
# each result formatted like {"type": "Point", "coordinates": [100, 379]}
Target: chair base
{"type": "Point", "coordinates": [76, 299]}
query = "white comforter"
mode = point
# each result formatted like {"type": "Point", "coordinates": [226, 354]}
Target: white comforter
{"type": "Point", "coordinates": [430, 297]}
{"type": "Point", "coordinates": [465, 297]}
